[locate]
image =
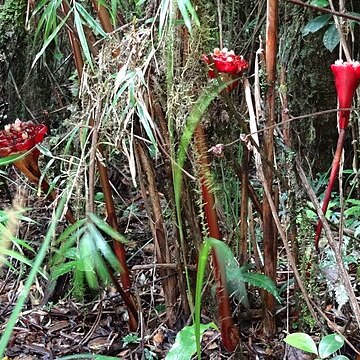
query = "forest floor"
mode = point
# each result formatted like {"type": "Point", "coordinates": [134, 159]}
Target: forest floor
{"type": "Point", "coordinates": [98, 325]}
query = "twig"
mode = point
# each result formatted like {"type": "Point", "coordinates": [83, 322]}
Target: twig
{"type": "Point", "coordinates": [334, 246]}
{"type": "Point", "coordinates": [334, 327]}
{"type": "Point", "coordinates": [19, 95]}
{"type": "Point", "coordinates": [323, 10]}
{"type": "Point", "coordinates": [289, 253]}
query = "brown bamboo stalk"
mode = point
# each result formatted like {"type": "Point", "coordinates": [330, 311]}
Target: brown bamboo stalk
{"type": "Point", "coordinates": [103, 16]}
{"type": "Point", "coordinates": [75, 46]}
{"type": "Point", "coordinates": [251, 192]}
{"type": "Point", "coordinates": [106, 187]}
{"type": "Point", "coordinates": [229, 333]}
{"type": "Point", "coordinates": [159, 117]}
{"type": "Point", "coordinates": [162, 250]}
{"type": "Point", "coordinates": [243, 248]}
{"type": "Point", "coordinates": [253, 239]}
{"type": "Point", "coordinates": [270, 250]}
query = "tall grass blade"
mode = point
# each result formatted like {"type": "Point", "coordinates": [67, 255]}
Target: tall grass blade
{"type": "Point", "coordinates": [50, 39]}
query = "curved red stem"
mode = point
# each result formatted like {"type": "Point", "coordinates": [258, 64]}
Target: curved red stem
{"type": "Point", "coordinates": [229, 332]}
{"type": "Point", "coordinates": [333, 175]}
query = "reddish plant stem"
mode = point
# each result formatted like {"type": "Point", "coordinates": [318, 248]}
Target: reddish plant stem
{"type": "Point", "coordinates": [103, 16]}
{"type": "Point", "coordinates": [333, 176]}
{"type": "Point", "coordinates": [229, 332]}
{"type": "Point", "coordinates": [270, 249]}
{"type": "Point", "coordinates": [75, 46]}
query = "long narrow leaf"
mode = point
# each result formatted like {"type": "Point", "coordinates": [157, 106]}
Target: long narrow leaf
{"type": "Point", "coordinates": [203, 257]}
{"type": "Point", "coordinates": [104, 247]}
{"type": "Point", "coordinates": [82, 37]}
{"type": "Point", "coordinates": [50, 39]}
{"type": "Point", "coordinates": [30, 278]}
{"type": "Point", "coordinates": [90, 20]}
{"type": "Point", "coordinates": [164, 13]}
{"type": "Point", "coordinates": [104, 226]}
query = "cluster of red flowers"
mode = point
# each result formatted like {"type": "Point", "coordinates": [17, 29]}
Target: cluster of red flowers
{"type": "Point", "coordinates": [347, 79]}
{"type": "Point", "coordinates": [227, 64]}
{"type": "Point", "coordinates": [21, 137]}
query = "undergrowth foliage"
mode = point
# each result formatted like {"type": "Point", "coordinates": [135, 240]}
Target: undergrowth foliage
{"type": "Point", "coordinates": [147, 142]}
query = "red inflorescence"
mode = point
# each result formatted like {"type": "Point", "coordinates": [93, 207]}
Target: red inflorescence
{"type": "Point", "coordinates": [347, 79]}
{"type": "Point", "coordinates": [226, 62]}
{"type": "Point", "coordinates": [21, 137]}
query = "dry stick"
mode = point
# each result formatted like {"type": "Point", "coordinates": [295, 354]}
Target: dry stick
{"type": "Point", "coordinates": [243, 248]}
{"type": "Point", "coordinates": [323, 10]}
{"type": "Point", "coordinates": [218, 4]}
{"type": "Point", "coordinates": [249, 137]}
{"type": "Point", "coordinates": [334, 246]}
{"type": "Point", "coordinates": [92, 163]}
{"type": "Point", "coordinates": [288, 251]}
{"type": "Point", "coordinates": [158, 114]}
{"type": "Point", "coordinates": [333, 326]}
{"type": "Point", "coordinates": [338, 25]}
{"type": "Point", "coordinates": [258, 260]}
{"type": "Point", "coordinates": [158, 230]}
{"type": "Point", "coordinates": [244, 128]}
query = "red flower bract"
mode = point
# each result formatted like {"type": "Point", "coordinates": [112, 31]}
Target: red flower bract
{"type": "Point", "coordinates": [347, 79]}
{"type": "Point", "coordinates": [226, 62]}
{"type": "Point", "coordinates": [20, 137]}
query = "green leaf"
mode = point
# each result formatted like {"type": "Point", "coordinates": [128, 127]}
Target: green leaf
{"type": "Point", "coordinates": [164, 9]}
{"type": "Point", "coordinates": [320, 3]}
{"type": "Point", "coordinates": [316, 24]}
{"type": "Point", "coordinates": [82, 37]}
{"type": "Point", "coordinates": [63, 269]}
{"type": "Point", "coordinates": [340, 357]}
{"type": "Point", "coordinates": [234, 275]}
{"type": "Point", "coordinates": [329, 344]}
{"type": "Point", "coordinates": [10, 159]}
{"type": "Point", "coordinates": [262, 281]}
{"type": "Point", "coordinates": [193, 119]}
{"type": "Point", "coordinates": [184, 347]}
{"type": "Point", "coordinates": [302, 341]}
{"type": "Point", "coordinates": [50, 39]}
{"type": "Point", "coordinates": [104, 247]}
{"type": "Point", "coordinates": [88, 259]}
{"type": "Point", "coordinates": [106, 228]}
{"type": "Point", "coordinates": [89, 20]}
{"type": "Point", "coordinates": [331, 38]}
{"type": "Point", "coordinates": [186, 8]}
{"type": "Point", "coordinates": [203, 257]}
